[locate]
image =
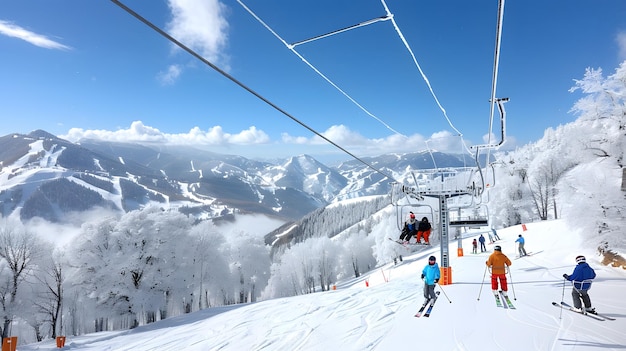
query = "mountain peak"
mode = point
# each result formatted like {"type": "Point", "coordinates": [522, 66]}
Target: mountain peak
{"type": "Point", "coordinates": [41, 134]}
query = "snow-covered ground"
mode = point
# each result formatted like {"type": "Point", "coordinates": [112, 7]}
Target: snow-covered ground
{"type": "Point", "coordinates": [379, 315]}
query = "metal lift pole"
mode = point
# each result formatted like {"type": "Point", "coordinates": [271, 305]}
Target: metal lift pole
{"type": "Point", "coordinates": [444, 225]}
{"type": "Point", "coordinates": [443, 230]}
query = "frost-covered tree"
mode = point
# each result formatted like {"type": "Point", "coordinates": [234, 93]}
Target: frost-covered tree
{"type": "Point", "coordinates": [94, 266]}
{"type": "Point", "coordinates": [325, 254]}
{"type": "Point", "coordinates": [249, 261]}
{"type": "Point", "coordinates": [602, 112]}
{"type": "Point", "coordinates": [576, 167]}
{"type": "Point", "coordinates": [48, 299]}
{"type": "Point", "coordinates": [19, 251]}
{"type": "Point", "coordinates": [136, 267]}
{"type": "Point", "coordinates": [293, 273]}
{"type": "Point", "coordinates": [356, 255]}
{"type": "Point", "coordinates": [210, 265]}
{"type": "Point", "coordinates": [597, 204]}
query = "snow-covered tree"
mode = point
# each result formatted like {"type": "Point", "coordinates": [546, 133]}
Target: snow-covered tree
{"type": "Point", "coordinates": [249, 262]}
{"type": "Point", "coordinates": [356, 255]}
{"type": "Point", "coordinates": [19, 250]}
{"type": "Point", "coordinates": [210, 265]}
{"type": "Point", "coordinates": [47, 298]}
{"type": "Point", "coordinates": [136, 266]}
{"type": "Point", "coordinates": [590, 148]}
{"type": "Point", "coordinates": [597, 205]}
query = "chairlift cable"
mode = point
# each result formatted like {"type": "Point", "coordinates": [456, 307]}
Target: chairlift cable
{"type": "Point", "coordinates": [388, 16]}
{"type": "Point", "coordinates": [292, 49]}
{"type": "Point", "coordinates": [234, 80]}
{"type": "Point", "coordinates": [419, 68]}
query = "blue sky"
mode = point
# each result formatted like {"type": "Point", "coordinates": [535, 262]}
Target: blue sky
{"type": "Point", "coordinates": [89, 69]}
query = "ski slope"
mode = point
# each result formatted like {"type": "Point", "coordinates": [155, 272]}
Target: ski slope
{"type": "Point", "coordinates": [379, 315]}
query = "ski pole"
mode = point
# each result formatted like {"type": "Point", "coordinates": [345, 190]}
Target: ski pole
{"type": "Point", "coordinates": [562, 297]}
{"type": "Point", "coordinates": [444, 293]}
{"type": "Point", "coordinates": [512, 286]}
{"type": "Point", "coordinates": [481, 284]}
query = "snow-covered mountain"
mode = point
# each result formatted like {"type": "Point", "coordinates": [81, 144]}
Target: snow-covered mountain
{"type": "Point", "coordinates": [48, 177]}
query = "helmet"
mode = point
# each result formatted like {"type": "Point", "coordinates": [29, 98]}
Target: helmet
{"type": "Point", "coordinates": [412, 215]}
{"type": "Point", "coordinates": [580, 259]}
{"type": "Point", "coordinates": [497, 248]}
{"type": "Point", "coordinates": [431, 260]}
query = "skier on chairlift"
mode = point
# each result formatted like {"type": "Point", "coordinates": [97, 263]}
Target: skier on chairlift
{"type": "Point", "coordinates": [423, 230]}
{"type": "Point", "coordinates": [410, 227]}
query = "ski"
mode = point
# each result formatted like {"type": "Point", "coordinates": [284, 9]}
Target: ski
{"type": "Point", "coordinates": [602, 315]}
{"type": "Point", "coordinates": [594, 313]}
{"type": "Point", "coordinates": [498, 301]}
{"type": "Point", "coordinates": [567, 307]}
{"type": "Point", "coordinates": [399, 243]}
{"type": "Point", "coordinates": [396, 241]}
{"type": "Point", "coordinates": [424, 307]}
{"type": "Point", "coordinates": [407, 244]}
{"type": "Point", "coordinates": [507, 301]}
{"type": "Point", "coordinates": [528, 254]}
{"type": "Point", "coordinates": [430, 308]}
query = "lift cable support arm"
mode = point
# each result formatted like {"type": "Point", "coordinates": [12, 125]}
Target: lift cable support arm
{"type": "Point", "coordinates": [321, 36]}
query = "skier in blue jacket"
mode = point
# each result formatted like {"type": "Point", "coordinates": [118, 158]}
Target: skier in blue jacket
{"type": "Point", "coordinates": [581, 283]}
{"type": "Point", "coordinates": [430, 276]}
{"type": "Point", "coordinates": [521, 249]}
{"type": "Point", "coordinates": [481, 240]}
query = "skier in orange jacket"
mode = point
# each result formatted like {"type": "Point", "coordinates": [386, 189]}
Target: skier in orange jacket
{"type": "Point", "coordinates": [498, 264]}
{"type": "Point", "coordinates": [423, 230]}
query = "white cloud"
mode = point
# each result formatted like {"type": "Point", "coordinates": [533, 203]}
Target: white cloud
{"type": "Point", "coordinates": [491, 139]}
{"type": "Point", "coordinates": [253, 142]}
{"type": "Point", "coordinates": [15, 31]}
{"type": "Point", "coordinates": [169, 77]}
{"type": "Point", "coordinates": [200, 25]}
{"type": "Point", "coordinates": [360, 145]}
{"type": "Point", "coordinates": [250, 136]}
{"type": "Point", "coordinates": [445, 141]}
{"type": "Point", "coordinates": [138, 132]}
{"type": "Point", "coordinates": [621, 44]}
{"type": "Point", "coordinates": [288, 139]}
{"type": "Point", "coordinates": [510, 142]}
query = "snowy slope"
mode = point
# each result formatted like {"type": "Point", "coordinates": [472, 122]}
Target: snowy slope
{"type": "Point", "coordinates": [381, 316]}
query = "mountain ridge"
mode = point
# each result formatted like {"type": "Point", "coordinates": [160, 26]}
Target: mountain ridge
{"type": "Point", "coordinates": [46, 176]}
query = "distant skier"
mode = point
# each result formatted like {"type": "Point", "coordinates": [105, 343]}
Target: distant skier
{"type": "Point", "coordinates": [423, 229]}
{"type": "Point", "coordinates": [520, 240]}
{"type": "Point", "coordinates": [491, 241]}
{"type": "Point", "coordinates": [498, 263]}
{"type": "Point", "coordinates": [495, 234]}
{"type": "Point", "coordinates": [430, 276]}
{"type": "Point", "coordinates": [481, 239]}
{"type": "Point", "coordinates": [475, 246]}
{"type": "Point", "coordinates": [581, 283]}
